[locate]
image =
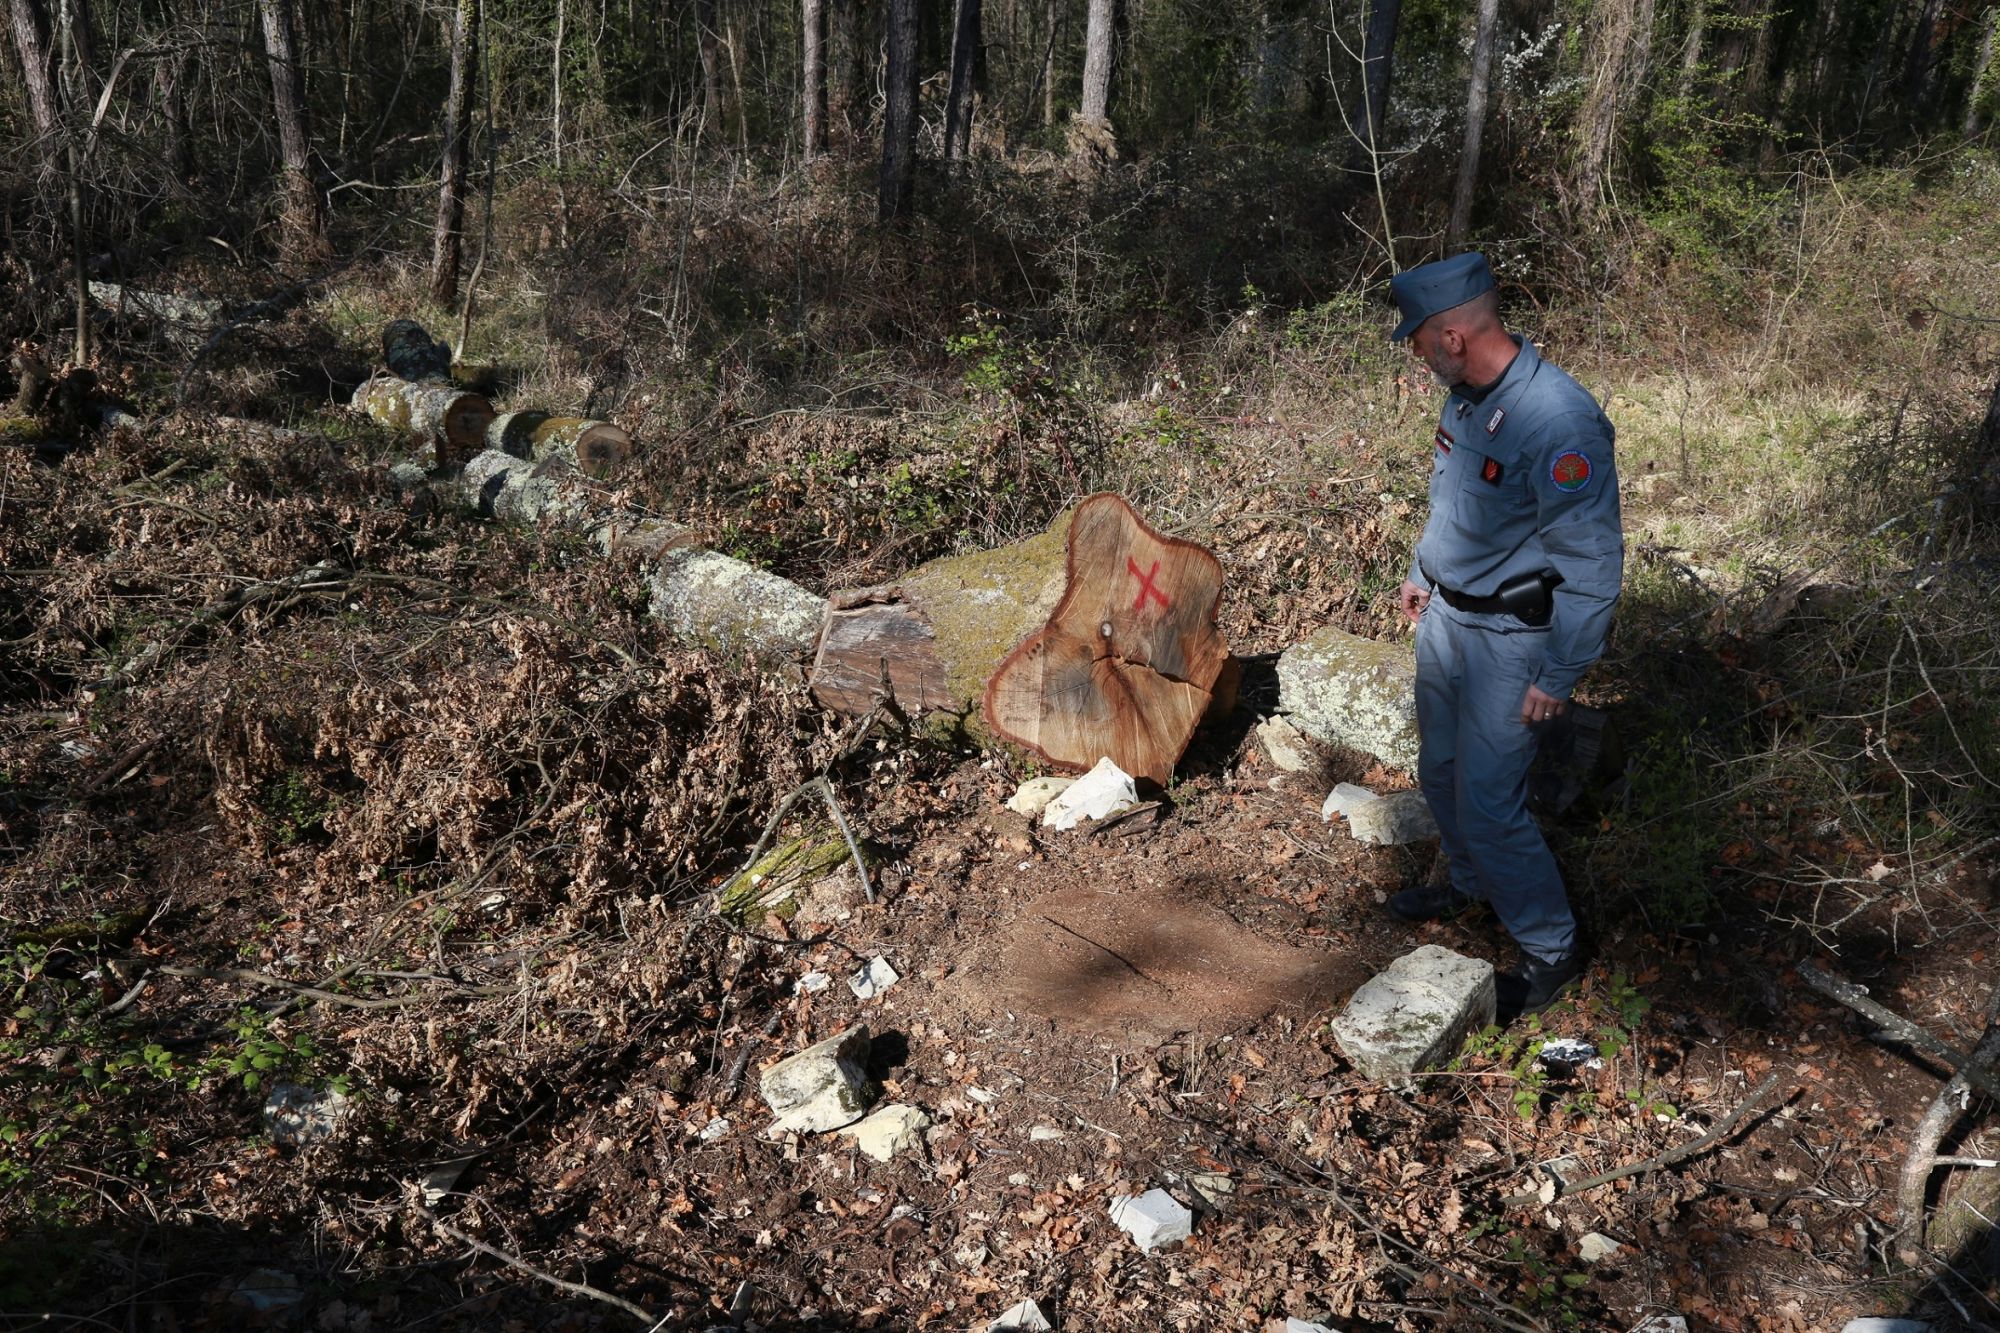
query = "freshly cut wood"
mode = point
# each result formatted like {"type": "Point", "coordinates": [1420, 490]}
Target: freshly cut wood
{"type": "Point", "coordinates": [934, 636]}
{"type": "Point", "coordinates": [596, 447]}
{"type": "Point", "coordinates": [1129, 662]}
{"type": "Point", "coordinates": [448, 424]}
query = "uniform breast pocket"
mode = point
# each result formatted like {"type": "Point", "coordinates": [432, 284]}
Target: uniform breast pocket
{"type": "Point", "coordinates": [1500, 482]}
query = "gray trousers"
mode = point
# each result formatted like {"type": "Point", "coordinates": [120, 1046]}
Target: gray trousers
{"type": "Point", "coordinates": [1472, 671]}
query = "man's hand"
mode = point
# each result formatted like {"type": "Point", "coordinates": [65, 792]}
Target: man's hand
{"type": "Point", "coordinates": [1539, 707]}
{"type": "Point", "coordinates": [1413, 598]}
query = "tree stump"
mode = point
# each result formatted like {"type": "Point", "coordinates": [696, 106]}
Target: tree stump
{"type": "Point", "coordinates": [1131, 659]}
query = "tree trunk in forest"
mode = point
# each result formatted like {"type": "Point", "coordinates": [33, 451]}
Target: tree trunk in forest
{"type": "Point", "coordinates": [81, 37]}
{"type": "Point", "coordinates": [1475, 124]}
{"type": "Point", "coordinates": [844, 42]}
{"type": "Point", "coordinates": [171, 84]}
{"type": "Point", "coordinates": [899, 117]}
{"type": "Point", "coordinates": [1982, 78]}
{"type": "Point", "coordinates": [1052, 15]}
{"type": "Point", "coordinates": [964, 66]}
{"type": "Point", "coordinates": [1377, 61]}
{"type": "Point", "coordinates": [30, 24]}
{"type": "Point", "coordinates": [1597, 127]}
{"type": "Point", "coordinates": [707, 41]}
{"type": "Point", "coordinates": [304, 208]}
{"type": "Point", "coordinates": [1691, 50]}
{"type": "Point", "coordinates": [813, 76]}
{"type": "Point", "coordinates": [1099, 51]}
{"type": "Point", "coordinates": [445, 242]}
{"type": "Point", "coordinates": [1918, 65]}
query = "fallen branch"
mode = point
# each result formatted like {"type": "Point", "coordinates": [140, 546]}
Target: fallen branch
{"type": "Point", "coordinates": [1896, 1026]}
{"type": "Point", "coordinates": [639, 1312]}
{"type": "Point", "coordinates": [315, 578]}
{"type": "Point", "coordinates": [1672, 1157]}
{"type": "Point", "coordinates": [1914, 1186]}
{"type": "Point", "coordinates": [792, 798]}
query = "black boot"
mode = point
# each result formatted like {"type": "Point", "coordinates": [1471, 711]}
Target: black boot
{"type": "Point", "coordinates": [1431, 902]}
{"type": "Point", "coordinates": [1534, 985]}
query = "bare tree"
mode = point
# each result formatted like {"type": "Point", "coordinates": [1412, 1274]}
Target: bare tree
{"type": "Point", "coordinates": [30, 24]}
{"type": "Point", "coordinates": [1099, 47]}
{"type": "Point", "coordinates": [1982, 77]}
{"type": "Point", "coordinates": [899, 117]}
{"type": "Point", "coordinates": [964, 68]}
{"type": "Point", "coordinates": [813, 76]}
{"type": "Point", "coordinates": [445, 241]}
{"type": "Point", "coordinates": [304, 210]}
{"type": "Point", "coordinates": [1377, 61]}
{"type": "Point", "coordinates": [1475, 124]}
{"type": "Point", "coordinates": [708, 40]}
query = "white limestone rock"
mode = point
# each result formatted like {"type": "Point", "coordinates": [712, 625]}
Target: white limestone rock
{"type": "Point", "coordinates": [888, 1131]}
{"type": "Point", "coordinates": [296, 1115]}
{"type": "Point", "coordinates": [1596, 1247]}
{"type": "Point", "coordinates": [1286, 746]}
{"type": "Point", "coordinates": [1344, 800]}
{"type": "Point", "coordinates": [1874, 1324]}
{"type": "Point", "coordinates": [823, 1087]}
{"type": "Point", "coordinates": [1025, 1317]}
{"type": "Point", "coordinates": [1104, 791]}
{"type": "Point", "coordinates": [1152, 1219]}
{"type": "Point", "coordinates": [1033, 796]}
{"type": "Point", "coordinates": [873, 979]}
{"type": "Point", "coordinates": [1342, 689]}
{"type": "Point", "coordinates": [1395, 820]}
{"type": "Point", "coordinates": [1416, 1013]}
{"type": "Point", "coordinates": [1663, 1323]}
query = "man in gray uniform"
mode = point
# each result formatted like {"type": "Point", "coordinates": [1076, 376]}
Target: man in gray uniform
{"type": "Point", "coordinates": [1511, 587]}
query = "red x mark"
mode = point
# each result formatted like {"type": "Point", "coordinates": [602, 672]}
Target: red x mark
{"type": "Point", "coordinates": [1146, 588]}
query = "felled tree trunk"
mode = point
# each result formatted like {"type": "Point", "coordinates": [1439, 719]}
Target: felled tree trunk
{"type": "Point", "coordinates": [189, 312]}
{"type": "Point", "coordinates": [448, 425]}
{"type": "Point", "coordinates": [933, 637]}
{"type": "Point", "coordinates": [1009, 644]}
{"type": "Point", "coordinates": [595, 447]}
{"type": "Point", "coordinates": [1131, 659]}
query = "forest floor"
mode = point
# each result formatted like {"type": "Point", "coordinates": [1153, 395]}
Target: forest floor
{"type": "Point", "coordinates": [441, 831]}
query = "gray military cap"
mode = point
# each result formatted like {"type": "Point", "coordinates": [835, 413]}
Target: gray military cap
{"type": "Point", "coordinates": [1430, 288]}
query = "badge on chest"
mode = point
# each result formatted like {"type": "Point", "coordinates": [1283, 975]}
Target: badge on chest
{"type": "Point", "coordinates": [1490, 472]}
{"type": "Point", "coordinates": [1444, 440]}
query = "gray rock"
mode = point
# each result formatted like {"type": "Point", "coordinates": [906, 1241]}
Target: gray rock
{"type": "Point", "coordinates": [1345, 690]}
{"type": "Point", "coordinates": [1872, 1324]}
{"type": "Point", "coordinates": [1596, 1247]}
{"type": "Point", "coordinates": [1305, 1326]}
{"type": "Point", "coordinates": [297, 1115]}
{"type": "Point", "coordinates": [1395, 820]}
{"type": "Point", "coordinates": [265, 1292]}
{"type": "Point", "coordinates": [1285, 745]}
{"type": "Point", "coordinates": [1416, 1013]}
{"type": "Point", "coordinates": [1663, 1323]}
{"type": "Point", "coordinates": [823, 1087]}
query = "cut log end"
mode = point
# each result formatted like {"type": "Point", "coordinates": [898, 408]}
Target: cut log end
{"type": "Point", "coordinates": [1131, 659]}
{"type": "Point", "coordinates": [437, 416]}
{"type": "Point", "coordinates": [597, 448]}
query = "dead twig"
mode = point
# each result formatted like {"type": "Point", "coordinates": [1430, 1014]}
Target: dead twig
{"type": "Point", "coordinates": [314, 578]}
{"type": "Point", "coordinates": [306, 992]}
{"type": "Point", "coordinates": [1897, 1027]}
{"type": "Point", "coordinates": [515, 1261]}
{"type": "Point", "coordinates": [1914, 1186]}
{"type": "Point", "coordinates": [1671, 1157]}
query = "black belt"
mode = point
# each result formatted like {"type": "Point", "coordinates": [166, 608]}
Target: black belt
{"type": "Point", "coordinates": [1525, 598]}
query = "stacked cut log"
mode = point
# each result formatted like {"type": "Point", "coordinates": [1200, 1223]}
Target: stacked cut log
{"type": "Point", "coordinates": [446, 425]}
{"type": "Point", "coordinates": [597, 448]}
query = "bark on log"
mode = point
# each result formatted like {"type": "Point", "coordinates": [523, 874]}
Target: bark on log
{"type": "Point", "coordinates": [1129, 662]}
{"type": "Point", "coordinates": [448, 425]}
{"type": "Point", "coordinates": [937, 633]}
{"type": "Point", "coordinates": [410, 353]}
{"type": "Point", "coordinates": [595, 447]}
{"type": "Point", "coordinates": [190, 312]}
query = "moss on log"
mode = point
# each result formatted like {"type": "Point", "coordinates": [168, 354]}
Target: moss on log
{"type": "Point", "coordinates": [781, 874]}
{"type": "Point", "coordinates": [447, 425]}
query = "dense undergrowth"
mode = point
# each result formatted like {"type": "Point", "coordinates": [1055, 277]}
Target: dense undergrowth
{"type": "Point", "coordinates": [460, 765]}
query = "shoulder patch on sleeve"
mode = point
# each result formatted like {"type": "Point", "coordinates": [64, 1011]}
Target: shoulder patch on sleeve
{"type": "Point", "coordinates": [1570, 472]}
